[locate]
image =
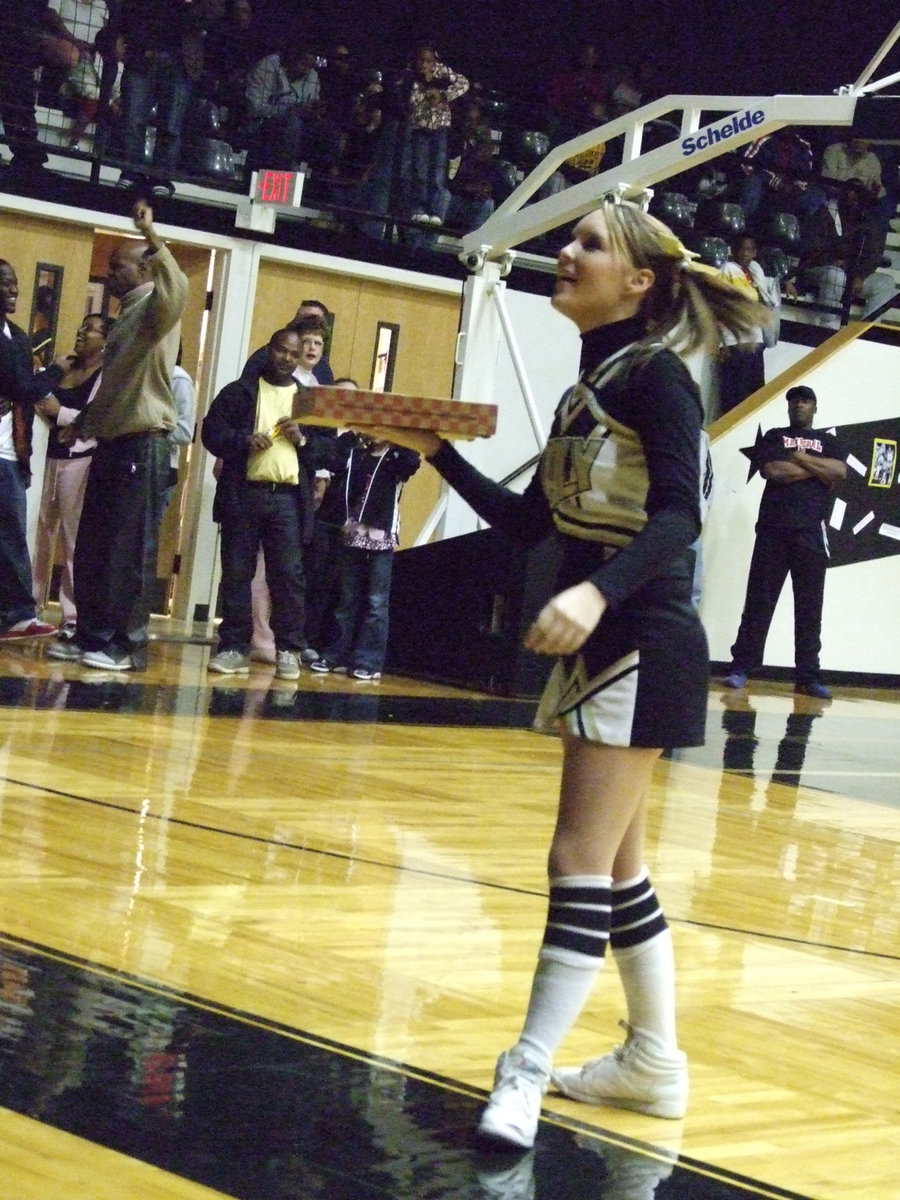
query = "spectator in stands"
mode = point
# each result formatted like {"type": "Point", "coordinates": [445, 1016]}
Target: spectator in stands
{"type": "Point", "coordinates": [67, 49]}
{"type": "Point", "coordinates": [572, 91]}
{"type": "Point", "coordinates": [587, 163]}
{"type": "Point", "coordinates": [234, 46]}
{"type": "Point", "coordinates": [778, 171]}
{"type": "Point", "coordinates": [285, 125]}
{"type": "Point", "coordinates": [429, 89]}
{"type": "Point", "coordinates": [340, 87]}
{"type": "Point", "coordinates": [163, 63]}
{"type": "Point", "coordinates": [359, 146]}
{"type": "Point", "coordinates": [20, 22]}
{"type": "Point", "coordinates": [741, 367]}
{"type": "Point", "coordinates": [845, 238]}
{"type": "Point", "coordinates": [631, 87]}
{"type": "Point", "coordinates": [20, 389]}
{"type": "Point", "coordinates": [472, 171]}
{"type": "Point", "coordinates": [66, 468]}
{"type": "Point", "coordinates": [852, 158]}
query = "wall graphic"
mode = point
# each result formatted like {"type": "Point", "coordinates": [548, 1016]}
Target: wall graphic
{"type": "Point", "coordinates": [865, 516]}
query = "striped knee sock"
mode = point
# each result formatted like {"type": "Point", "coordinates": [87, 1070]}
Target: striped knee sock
{"type": "Point", "coordinates": [641, 945]}
{"type": "Point", "coordinates": [571, 954]}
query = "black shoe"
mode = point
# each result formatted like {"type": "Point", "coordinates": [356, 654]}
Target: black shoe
{"type": "Point", "coordinates": [162, 189]}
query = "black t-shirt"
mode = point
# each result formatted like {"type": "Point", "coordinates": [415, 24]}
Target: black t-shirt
{"type": "Point", "coordinates": [802, 505]}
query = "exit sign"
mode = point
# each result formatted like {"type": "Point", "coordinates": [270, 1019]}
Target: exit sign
{"type": "Point", "coordinates": [277, 187]}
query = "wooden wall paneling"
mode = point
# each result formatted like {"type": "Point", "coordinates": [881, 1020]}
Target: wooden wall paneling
{"type": "Point", "coordinates": [281, 287]}
{"type": "Point", "coordinates": [26, 241]}
{"type": "Point", "coordinates": [429, 322]}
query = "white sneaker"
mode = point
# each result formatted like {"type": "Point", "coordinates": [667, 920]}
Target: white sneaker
{"type": "Point", "coordinates": [639, 1075]}
{"type": "Point", "coordinates": [107, 660]}
{"type": "Point", "coordinates": [229, 662]}
{"type": "Point", "coordinates": [514, 1107]}
{"type": "Point", "coordinates": [287, 665]}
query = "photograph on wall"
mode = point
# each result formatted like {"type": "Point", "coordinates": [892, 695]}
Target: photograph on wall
{"type": "Point", "coordinates": [884, 458]}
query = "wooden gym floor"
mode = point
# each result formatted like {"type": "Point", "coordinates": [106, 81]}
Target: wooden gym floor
{"type": "Point", "coordinates": [264, 940]}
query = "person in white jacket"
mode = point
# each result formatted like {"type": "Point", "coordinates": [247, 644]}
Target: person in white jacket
{"type": "Point", "coordinates": [741, 367]}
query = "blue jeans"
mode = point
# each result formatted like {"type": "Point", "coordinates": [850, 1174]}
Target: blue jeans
{"type": "Point", "coordinates": [16, 599]}
{"type": "Point", "coordinates": [162, 81]}
{"type": "Point", "coordinates": [424, 170]}
{"type": "Point", "coordinates": [362, 612]}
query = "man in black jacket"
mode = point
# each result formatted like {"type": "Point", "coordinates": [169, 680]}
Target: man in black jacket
{"type": "Point", "coordinates": [19, 389]}
{"type": "Point", "coordinates": [263, 498]}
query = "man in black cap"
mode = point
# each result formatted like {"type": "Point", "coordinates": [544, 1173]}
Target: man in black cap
{"type": "Point", "coordinates": [801, 467]}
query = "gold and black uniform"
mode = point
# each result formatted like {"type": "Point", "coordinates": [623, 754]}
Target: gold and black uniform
{"type": "Point", "coordinates": [619, 484]}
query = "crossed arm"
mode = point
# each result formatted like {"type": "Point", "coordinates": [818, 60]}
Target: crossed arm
{"type": "Point", "coordinates": [802, 466]}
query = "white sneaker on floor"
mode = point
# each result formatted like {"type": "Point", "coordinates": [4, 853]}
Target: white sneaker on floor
{"type": "Point", "coordinates": [107, 660]}
{"type": "Point", "coordinates": [514, 1108]}
{"type": "Point", "coordinates": [229, 662]}
{"type": "Point", "coordinates": [639, 1075]}
{"type": "Point", "coordinates": [287, 665]}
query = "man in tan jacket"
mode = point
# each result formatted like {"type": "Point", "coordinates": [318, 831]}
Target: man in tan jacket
{"type": "Point", "coordinates": [131, 417]}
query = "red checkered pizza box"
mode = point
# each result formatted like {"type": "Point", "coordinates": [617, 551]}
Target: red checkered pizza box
{"type": "Point", "coordinates": [348, 408]}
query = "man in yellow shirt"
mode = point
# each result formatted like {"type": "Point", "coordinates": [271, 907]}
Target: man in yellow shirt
{"type": "Point", "coordinates": [263, 499]}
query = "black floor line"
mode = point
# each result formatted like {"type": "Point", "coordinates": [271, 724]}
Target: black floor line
{"type": "Point", "coordinates": [264, 1112]}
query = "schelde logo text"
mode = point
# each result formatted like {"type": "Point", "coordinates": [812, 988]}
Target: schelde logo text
{"type": "Point", "coordinates": [720, 133]}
